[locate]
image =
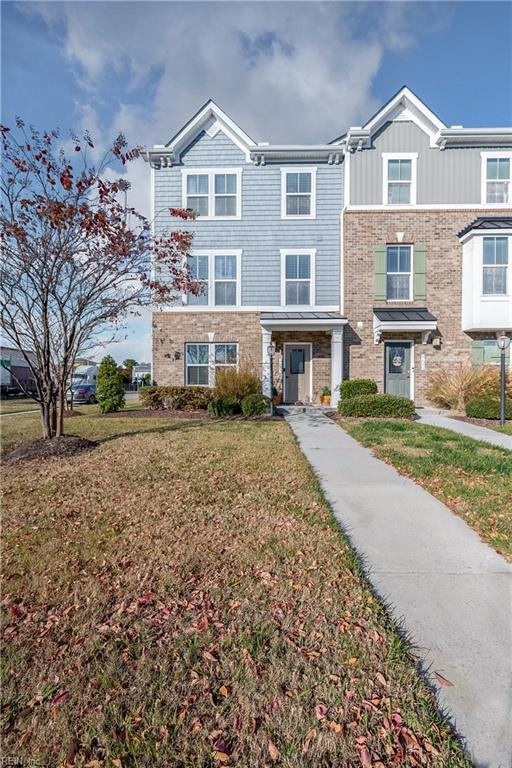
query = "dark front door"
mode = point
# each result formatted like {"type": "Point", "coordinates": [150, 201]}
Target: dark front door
{"type": "Point", "coordinates": [398, 368]}
{"type": "Point", "coordinates": [297, 373]}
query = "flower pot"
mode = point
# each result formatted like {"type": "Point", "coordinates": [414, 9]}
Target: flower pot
{"type": "Point", "coordinates": [276, 399]}
{"type": "Point", "coordinates": [326, 400]}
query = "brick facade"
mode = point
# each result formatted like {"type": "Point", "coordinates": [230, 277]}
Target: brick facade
{"type": "Point", "coordinates": [172, 330]}
{"type": "Point", "coordinates": [437, 229]}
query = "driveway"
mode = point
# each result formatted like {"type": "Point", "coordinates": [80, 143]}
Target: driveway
{"type": "Point", "coordinates": [451, 592]}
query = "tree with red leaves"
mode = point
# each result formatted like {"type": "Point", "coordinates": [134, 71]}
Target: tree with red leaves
{"type": "Point", "coordinates": [76, 260]}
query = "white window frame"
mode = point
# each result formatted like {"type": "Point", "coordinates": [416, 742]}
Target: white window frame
{"type": "Point", "coordinates": [413, 157]}
{"type": "Point", "coordinates": [285, 170]}
{"type": "Point", "coordinates": [411, 272]}
{"type": "Point", "coordinates": [237, 252]}
{"type": "Point", "coordinates": [211, 365]}
{"type": "Point", "coordinates": [211, 173]}
{"type": "Point", "coordinates": [485, 156]}
{"type": "Point", "coordinates": [311, 252]}
{"type": "Point", "coordinates": [495, 296]}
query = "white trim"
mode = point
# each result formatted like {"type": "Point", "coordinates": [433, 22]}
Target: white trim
{"type": "Point", "coordinates": [211, 360]}
{"type": "Point", "coordinates": [425, 207]}
{"type": "Point", "coordinates": [211, 253]}
{"type": "Point", "coordinates": [483, 177]}
{"type": "Point", "coordinates": [211, 173]}
{"type": "Point", "coordinates": [286, 169]}
{"type": "Point", "coordinates": [386, 156]}
{"type": "Point", "coordinates": [314, 324]}
{"type": "Point", "coordinates": [416, 110]}
{"type": "Point", "coordinates": [298, 344]}
{"type": "Point", "coordinates": [411, 344]}
{"type": "Point", "coordinates": [413, 326]}
{"type": "Point", "coordinates": [410, 298]}
{"type": "Point", "coordinates": [485, 233]}
{"type": "Point", "coordinates": [256, 308]}
{"type": "Point", "coordinates": [194, 126]}
{"type": "Point", "coordinates": [311, 252]}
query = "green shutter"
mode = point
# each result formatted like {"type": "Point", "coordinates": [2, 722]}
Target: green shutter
{"type": "Point", "coordinates": [478, 352]}
{"type": "Point", "coordinates": [420, 271]}
{"type": "Point", "coordinates": [379, 272]}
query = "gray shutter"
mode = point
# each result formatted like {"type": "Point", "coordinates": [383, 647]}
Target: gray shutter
{"type": "Point", "coordinates": [380, 272]}
{"type": "Point", "coordinates": [420, 271]}
{"type": "Point", "coordinates": [478, 352]}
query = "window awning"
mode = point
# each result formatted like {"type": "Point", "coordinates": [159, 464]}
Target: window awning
{"type": "Point", "coordinates": [403, 319]}
{"type": "Point", "coordinates": [302, 321]}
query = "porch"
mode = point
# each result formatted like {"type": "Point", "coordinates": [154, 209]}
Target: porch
{"type": "Point", "coordinates": [308, 355]}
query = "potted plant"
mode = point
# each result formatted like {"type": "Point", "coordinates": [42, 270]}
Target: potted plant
{"type": "Point", "coordinates": [276, 396]}
{"type": "Point", "coordinates": [326, 396]}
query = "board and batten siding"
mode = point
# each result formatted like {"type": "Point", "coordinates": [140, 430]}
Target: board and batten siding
{"type": "Point", "coordinates": [261, 233]}
{"type": "Point", "coordinates": [449, 176]}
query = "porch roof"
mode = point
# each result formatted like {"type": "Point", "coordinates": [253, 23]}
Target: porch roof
{"type": "Point", "coordinates": [400, 319]}
{"type": "Point", "coordinates": [302, 321]}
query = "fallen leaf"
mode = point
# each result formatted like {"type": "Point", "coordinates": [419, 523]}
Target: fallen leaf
{"type": "Point", "coordinates": [320, 711]}
{"type": "Point", "coordinates": [273, 750]}
{"type": "Point", "coordinates": [221, 757]}
{"type": "Point", "coordinates": [366, 758]}
{"type": "Point", "coordinates": [117, 763]}
{"type": "Point", "coordinates": [442, 680]}
{"type": "Point", "coordinates": [60, 698]}
{"type": "Point", "coordinates": [223, 691]}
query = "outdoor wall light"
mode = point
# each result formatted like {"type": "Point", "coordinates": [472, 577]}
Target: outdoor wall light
{"type": "Point", "coordinates": [177, 355]}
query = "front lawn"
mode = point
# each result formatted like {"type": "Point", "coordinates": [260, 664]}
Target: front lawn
{"type": "Point", "coordinates": [13, 405]}
{"type": "Point", "coordinates": [180, 597]}
{"type": "Point", "coordinates": [473, 478]}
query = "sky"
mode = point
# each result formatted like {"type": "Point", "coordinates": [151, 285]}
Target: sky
{"type": "Point", "coordinates": [284, 71]}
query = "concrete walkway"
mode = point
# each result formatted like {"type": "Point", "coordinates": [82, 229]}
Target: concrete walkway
{"type": "Point", "coordinates": [437, 419]}
{"type": "Point", "coordinates": [451, 591]}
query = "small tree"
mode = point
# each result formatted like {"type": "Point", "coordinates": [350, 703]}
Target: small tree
{"type": "Point", "coordinates": [129, 364]}
{"type": "Point", "coordinates": [75, 258]}
{"type": "Point", "coordinates": [109, 386]}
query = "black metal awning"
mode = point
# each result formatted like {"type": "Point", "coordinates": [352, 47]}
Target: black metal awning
{"type": "Point", "coordinates": [487, 222]}
{"type": "Point", "coordinates": [404, 315]}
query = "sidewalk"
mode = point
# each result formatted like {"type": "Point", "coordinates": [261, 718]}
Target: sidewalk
{"type": "Point", "coordinates": [436, 419]}
{"type": "Point", "coordinates": [451, 591]}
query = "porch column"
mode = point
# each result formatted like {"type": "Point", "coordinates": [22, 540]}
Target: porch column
{"type": "Point", "coordinates": [266, 339]}
{"type": "Point", "coordinates": [336, 364]}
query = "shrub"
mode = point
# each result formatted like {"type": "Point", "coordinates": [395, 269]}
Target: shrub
{"type": "Point", "coordinates": [223, 406]}
{"type": "Point", "coordinates": [176, 398]}
{"type": "Point", "coordinates": [109, 386]}
{"type": "Point", "coordinates": [488, 408]}
{"type": "Point", "coordinates": [237, 384]}
{"type": "Point", "coordinates": [392, 406]}
{"type": "Point", "coordinates": [255, 405]}
{"type": "Point", "coordinates": [357, 387]}
{"type": "Point", "coordinates": [454, 387]}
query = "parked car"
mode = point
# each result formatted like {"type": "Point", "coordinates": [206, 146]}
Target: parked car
{"type": "Point", "coordinates": [82, 393]}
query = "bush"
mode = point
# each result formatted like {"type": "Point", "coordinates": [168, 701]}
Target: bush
{"type": "Point", "coordinates": [255, 405]}
{"type": "Point", "coordinates": [392, 406]}
{"type": "Point", "coordinates": [224, 406]}
{"type": "Point", "coordinates": [237, 384]}
{"type": "Point", "coordinates": [454, 387]}
{"type": "Point", "coordinates": [488, 408]}
{"type": "Point", "coordinates": [357, 387]}
{"type": "Point", "coordinates": [176, 398]}
{"type": "Point", "coordinates": [109, 386]}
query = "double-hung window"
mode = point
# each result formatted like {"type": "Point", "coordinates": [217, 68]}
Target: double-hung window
{"type": "Point", "coordinates": [298, 277]}
{"type": "Point", "coordinates": [496, 178]}
{"type": "Point", "coordinates": [494, 266]}
{"type": "Point", "coordinates": [198, 268]}
{"type": "Point", "coordinates": [225, 279]}
{"type": "Point", "coordinates": [399, 175]}
{"type": "Point", "coordinates": [218, 273]}
{"type": "Point", "coordinates": [399, 273]}
{"type": "Point", "coordinates": [298, 193]}
{"type": "Point", "coordinates": [213, 194]}
{"type": "Point", "coordinates": [203, 360]}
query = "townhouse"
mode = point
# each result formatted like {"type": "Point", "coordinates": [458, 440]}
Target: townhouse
{"type": "Point", "coordinates": [382, 254]}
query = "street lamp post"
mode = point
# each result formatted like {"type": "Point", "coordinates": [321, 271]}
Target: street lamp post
{"type": "Point", "coordinates": [503, 344]}
{"type": "Point", "coordinates": [271, 350]}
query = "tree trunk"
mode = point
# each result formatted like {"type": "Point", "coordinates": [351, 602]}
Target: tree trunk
{"type": "Point", "coordinates": [46, 420]}
{"type": "Point", "coordinates": [61, 404]}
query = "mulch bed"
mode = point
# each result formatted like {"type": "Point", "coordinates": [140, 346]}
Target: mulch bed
{"type": "Point", "coordinates": [161, 413]}
{"type": "Point", "coordinates": [490, 423]}
{"type": "Point", "coordinates": [58, 447]}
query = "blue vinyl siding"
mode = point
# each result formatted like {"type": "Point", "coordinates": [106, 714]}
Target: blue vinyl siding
{"type": "Point", "coordinates": [261, 233]}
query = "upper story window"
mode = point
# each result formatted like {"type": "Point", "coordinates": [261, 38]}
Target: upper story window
{"type": "Point", "coordinates": [218, 272]}
{"type": "Point", "coordinates": [496, 178]}
{"type": "Point", "coordinates": [399, 273]}
{"type": "Point", "coordinates": [213, 194]}
{"type": "Point", "coordinates": [298, 193]}
{"type": "Point", "coordinates": [399, 178]}
{"type": "Point", "coordinates": [494, 266]}
{"type": "Point", "coordinates": [298, 277]}
{"type": "Point", "coordinates": [203, 360]}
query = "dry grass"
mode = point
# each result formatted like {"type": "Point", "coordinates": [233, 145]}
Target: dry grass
{"type": "Point", "coordinates": [179, 597]}
{"type": "Point", "coordinates": [453, 388]}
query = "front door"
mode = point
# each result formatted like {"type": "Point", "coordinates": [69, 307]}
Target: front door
{"type": "Point", "coordinates": [398, 368]}
{"type": "Point", "coordinates": [297, 373]}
